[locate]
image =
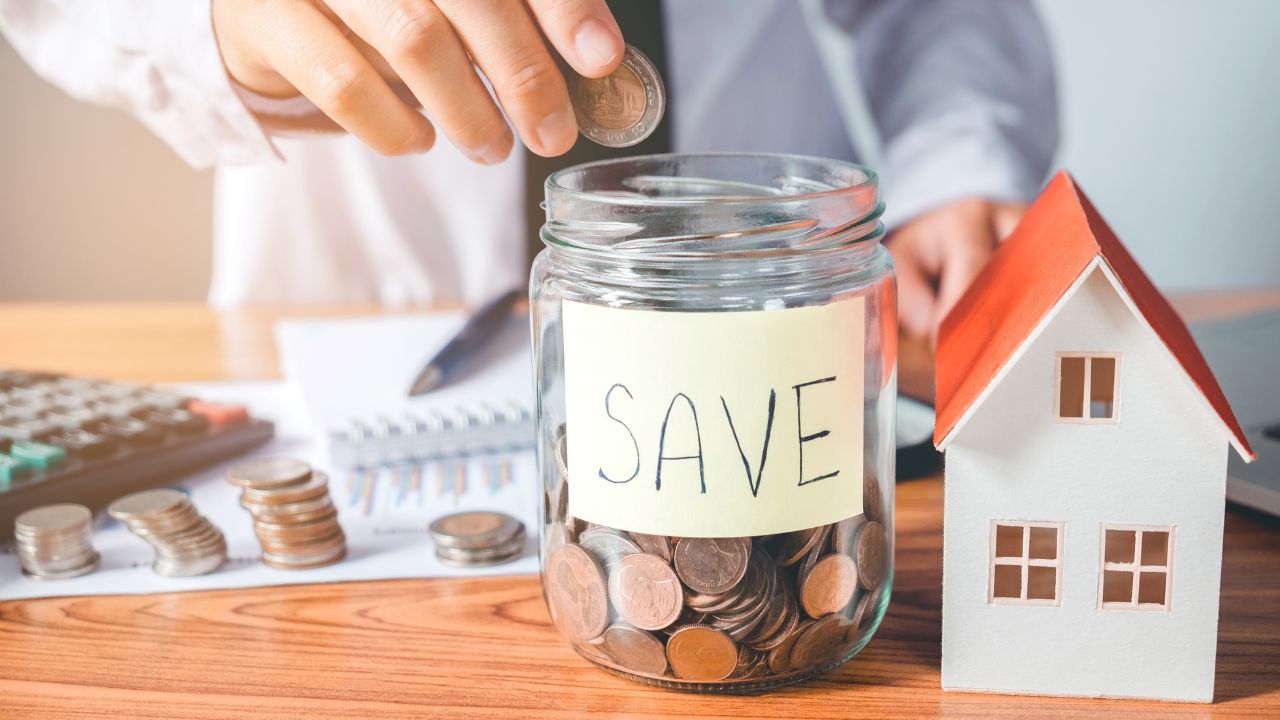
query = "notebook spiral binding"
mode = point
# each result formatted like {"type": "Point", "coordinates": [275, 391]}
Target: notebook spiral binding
{"type": "Point", "coordinates": [433, 435]}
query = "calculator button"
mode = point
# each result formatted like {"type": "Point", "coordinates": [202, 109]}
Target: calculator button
{"type": "Point", "coordinates": [38, 454]}
{"type": "Point", "coordinates": [77, 418]}
{"type": "Point", "coordinates": [19, 429]}
{"type": "Point", "coordinates": [163, 400]}
{"type": "Point", "coordinates": [83, 444]}
{"type": "Point", "coordinates": [132, 431]}
{"type": "Point", "coordinates": [218, 414]}
{"type": "Point", "coordinates": [178, 421]}
{"type": "Point", "coordinates": [11, 468]}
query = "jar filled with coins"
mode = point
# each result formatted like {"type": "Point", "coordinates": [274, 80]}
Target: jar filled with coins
{"type": "Point", "coordinates": [715, 360]}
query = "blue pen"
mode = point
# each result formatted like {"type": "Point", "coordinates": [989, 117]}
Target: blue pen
{"type": "Point", "coordinates": [479, 330]}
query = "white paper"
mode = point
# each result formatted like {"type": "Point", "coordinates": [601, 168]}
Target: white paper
{"type": "Point", "coordinates": [384, 517]}
{"type": "Point", "coordinates": [360, 368]}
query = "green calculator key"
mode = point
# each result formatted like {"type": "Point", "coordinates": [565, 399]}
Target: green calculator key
{"type": "Point", "coordinates": [38, 454]}
{"type": "Point", "coordinates": [11, 468]}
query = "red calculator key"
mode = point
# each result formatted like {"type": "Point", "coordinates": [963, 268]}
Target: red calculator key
{"type": "Point", "coordinates": [218, 414]}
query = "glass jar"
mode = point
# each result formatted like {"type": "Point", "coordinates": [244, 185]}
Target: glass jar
{"type": "Point", "coordinates": [714, 343]}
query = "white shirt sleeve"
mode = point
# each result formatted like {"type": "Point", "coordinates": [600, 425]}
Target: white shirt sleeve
{"type": "Point", "coordinates": [963, 96]}
{"type": "Point", "coordinates": [156, 59]}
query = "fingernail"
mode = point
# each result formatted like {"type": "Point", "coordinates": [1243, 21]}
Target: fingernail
{"type": "Point", "coordinates": [488, 155]}
{"type": "Point", "coordinates": [555, 129]}
{"type": "Point", "coordinates": [596, 44]}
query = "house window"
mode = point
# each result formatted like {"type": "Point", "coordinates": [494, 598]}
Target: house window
{"type": "Point", "coordinates": [1137, 564]}
{"type": "Point", "coordinates": [1026, 563]}
{"type": "Point", "coordinates": [1088, 387]}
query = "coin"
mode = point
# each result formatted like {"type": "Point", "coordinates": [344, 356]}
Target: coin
{"type": "Point", "coordinates": [53, 541]}
{"type": "Point", "coordinates": [315, 486]}
{"type": "Point", "coordinates": [659, 545]}
{"type": "Point", "coordinates": [820, 643]}
{"type": "Point", "coordinates": [268, 472]}
{"type": "Point", "coordinates": [148, 503]}
{"type": "Point", "coordinates": [646, 592]}
{"type": "Point", "coordinates": [607, 546]}
{"type": "Point", "coordinates": [185, 542]}
{"type": "Point", "coordinates": [635, 649]}
{"type": "Point", "coordinates": [57, 518]}
{"type": "Point", "coordinates": [872, 555]}
{"type": "Point", "coordinates": [294, 519]}
{"type": "Point", "coordinates": [576, 590]}
{"type": "Point", "coordinates": [829, 586]}
{"type": "Point", "coordinates": [700, 653]}
{"type": "Point", "coordinates": [846, 533]}
{"type": "Point", "coordinates": [712, 565]}
{"type": "Point", "coordinates": [795, 546]}
{"type": "Point", "coordinates": [872, 497]}
{"type": "Point", "coordinates": [474, 529]}
{"type": "Point", "coordinates": [622, 108]}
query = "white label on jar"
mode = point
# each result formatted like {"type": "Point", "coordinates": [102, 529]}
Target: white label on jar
{"type": "Point", "coordinates": [714, 424]}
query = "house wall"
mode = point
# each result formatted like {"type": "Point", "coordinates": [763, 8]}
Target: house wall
{"type": "Point", "coordinates": [1163, 463]}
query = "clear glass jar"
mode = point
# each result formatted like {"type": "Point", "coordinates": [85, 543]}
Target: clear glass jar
{"type": "Point", "coordinates": [714, 343]}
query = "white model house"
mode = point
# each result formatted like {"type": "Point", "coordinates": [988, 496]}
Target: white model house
{"type": "Point", "coordinates": [1086, 455]}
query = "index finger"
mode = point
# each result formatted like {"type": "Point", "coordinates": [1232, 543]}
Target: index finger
{"type": "Point", "coordinates": [584, 32]}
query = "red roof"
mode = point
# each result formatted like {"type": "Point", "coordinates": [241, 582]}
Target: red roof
{"type": "Point", "coordinates": [1056, 241]}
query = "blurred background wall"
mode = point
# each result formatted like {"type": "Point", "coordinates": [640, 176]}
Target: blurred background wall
{"type": "Point", "coordinates": [1171, 124]}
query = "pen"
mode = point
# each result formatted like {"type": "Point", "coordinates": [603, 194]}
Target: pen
{"type": "Point", "coordinates": [479, 330]}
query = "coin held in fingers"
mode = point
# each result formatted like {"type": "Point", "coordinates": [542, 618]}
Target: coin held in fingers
{"type": "Point", "coordinates": [622, 108]}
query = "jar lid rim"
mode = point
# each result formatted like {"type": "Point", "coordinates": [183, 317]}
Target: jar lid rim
{"type": "Point", "coordinates": [554, 183]}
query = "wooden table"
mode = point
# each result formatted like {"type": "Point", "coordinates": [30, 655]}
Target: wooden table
{"type": "Point", "coordinates": [466, 648]}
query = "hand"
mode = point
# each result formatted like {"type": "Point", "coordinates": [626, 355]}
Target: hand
{"type": "Point", "coordinates": [940, 252]}
{"type": "Point", "coordinates": [341, 53]}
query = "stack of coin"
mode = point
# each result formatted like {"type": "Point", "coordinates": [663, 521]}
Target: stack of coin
{"type": "Point", "coordinates": [477, 538]}
{"type": "Point", "coordinates": [53, 541]}
{"type": "Point", "coordinates": [186, 543]}
{"type": "Point", "coordinates": [738, 611]}
{"type": "Point", "coordinates": [293, 517]}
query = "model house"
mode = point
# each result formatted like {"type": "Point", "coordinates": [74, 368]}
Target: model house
{"type": "Point", "coordinates": [1086, 455]}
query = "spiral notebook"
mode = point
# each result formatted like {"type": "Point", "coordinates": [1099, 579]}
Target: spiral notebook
{"type": "Point", "coordinates": [352, 375]}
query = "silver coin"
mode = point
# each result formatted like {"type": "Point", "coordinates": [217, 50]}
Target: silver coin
{"type": "Point", "coordinates": [269, 472]}
{"type": "Point", "coordinates": [509, 550]}
{"type": "Point", "coordinates": [89, 566]}
{"type": "Point", "coordinates": [622, 108]}
{"type": "Point", "coordinates": [607, 546]}
{"type": "Point", "coordinates": [148, 503]}
{"type": "Point", "coordinates": [52, 519]}
{"type": "Point", "coordinates": [186, 568]}
{"type": "Point", "coordinates": [474, 529]}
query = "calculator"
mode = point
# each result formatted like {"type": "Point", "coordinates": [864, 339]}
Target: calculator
{"type": "Point", "coordinates": [72, 439]}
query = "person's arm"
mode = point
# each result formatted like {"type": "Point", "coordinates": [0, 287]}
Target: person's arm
{"type": "Point", "coordinates": [963, 95]}
{"type": "Point", "coordinates": [156, 59]}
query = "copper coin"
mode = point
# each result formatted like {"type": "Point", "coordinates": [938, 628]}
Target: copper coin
{"type": "Point", "coordinates": [872, 497]}
{"type": "Point", "coordinates": [780, 655]}
{"type": "Point", "coordinates": [872, 555]}
{"type": "Point", "coordinates": [820, 644]}
{"type": "Point", "coordinates": [701, 653]}
{"type": "Point", "coordinates": [622, 108]}
{"type": "Point", "coordinates": [659, 545]}
{"type": "Point", "coordinates": [846, 534]}
{"type": "Point", "coordinates": [576, 590]}
{"type": "Point", "coordinates": [712, 565]}
{"type": "Point", "coordinates": [635, 649]}
{"type": "Point", "coordinates": [867, 604]}
{"type": "Point", "coordinates": [646, 592]}
{"type": "Point", "coordinates": [317, 485]}
{"type": "Point", "coordinates": [829, 587]}
{"type": "Point", "coordinates": [268, 472]}
{"type": "Point", "coordinates": [286, 562]}
{"type": "Point", "coordinates": [796, 545]}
